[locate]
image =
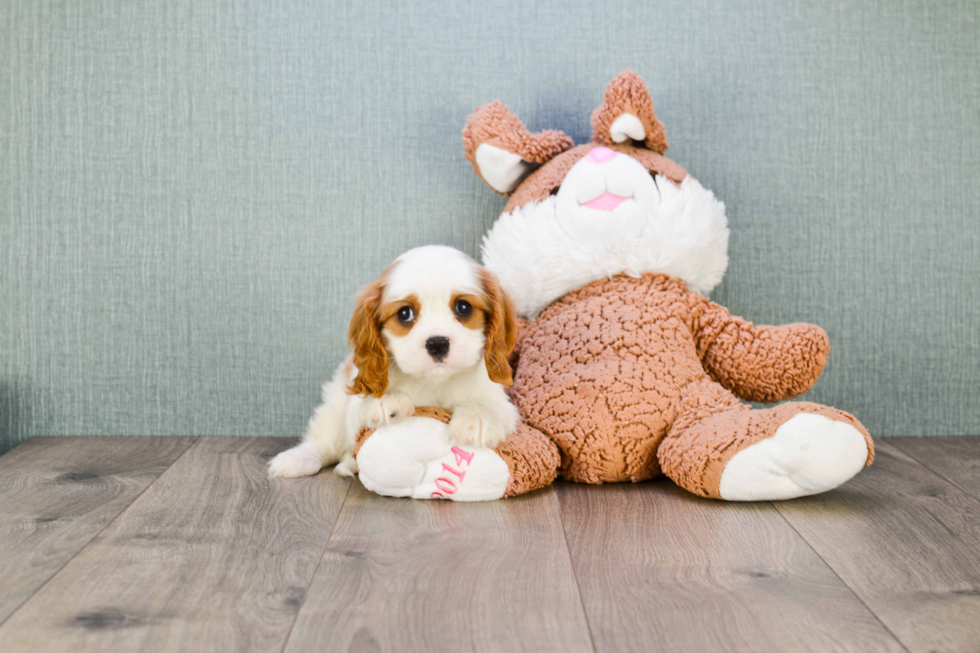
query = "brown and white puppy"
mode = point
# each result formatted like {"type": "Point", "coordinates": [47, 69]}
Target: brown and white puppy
{"type": "Point", "coordinates": [434, 330]}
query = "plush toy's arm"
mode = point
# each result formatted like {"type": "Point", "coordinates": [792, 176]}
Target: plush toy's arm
{"type": "Point", "coordinates": [758, 363]}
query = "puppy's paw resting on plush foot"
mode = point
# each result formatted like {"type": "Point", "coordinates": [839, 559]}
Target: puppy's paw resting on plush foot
{"type": "Point", "coordinates": [378, 411]}
{"type": "Point", "coordinates": [808, 454]}
{"type": "Point", "coordinates": [302, 460]}
{"type": "Point", "coordinates": [476, 426]}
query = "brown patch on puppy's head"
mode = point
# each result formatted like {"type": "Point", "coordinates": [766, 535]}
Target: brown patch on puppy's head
{"type": "Point", "coordinates": [390, 315]}
{"type": "Point", "coordinates": [476, 319]}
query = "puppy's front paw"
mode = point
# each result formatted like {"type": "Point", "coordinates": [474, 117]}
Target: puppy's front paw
{"type": "Point", "coordinates": [476, 426]}
{"type": "Point", "coordinates": [378, 411]}
{"type": "Point", "coordinates": [346, 467]}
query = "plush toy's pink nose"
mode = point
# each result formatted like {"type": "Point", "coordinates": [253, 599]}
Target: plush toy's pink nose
{"type": "Point", "coordinates": [601, 155]}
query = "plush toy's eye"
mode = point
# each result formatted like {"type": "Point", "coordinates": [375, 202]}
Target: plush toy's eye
{"type": "Point", "coordinates": [405, 314]}
{"type": "Point", "coordinates": [463, 308]}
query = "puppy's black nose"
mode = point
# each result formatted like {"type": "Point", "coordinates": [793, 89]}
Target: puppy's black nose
{"type": "Point", "coordinates": [437, 346]}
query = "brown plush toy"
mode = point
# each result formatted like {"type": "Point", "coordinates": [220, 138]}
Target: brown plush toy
{"type": "Point", "coordinates": [624, 369]}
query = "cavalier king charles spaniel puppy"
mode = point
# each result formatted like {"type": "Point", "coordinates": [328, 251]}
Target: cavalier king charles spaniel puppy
{"type": "Point", "coordinates": [435, 329]}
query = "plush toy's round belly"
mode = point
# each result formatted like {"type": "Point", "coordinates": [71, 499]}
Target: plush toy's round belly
{"type": "Point", "coordinates": [605, 372]}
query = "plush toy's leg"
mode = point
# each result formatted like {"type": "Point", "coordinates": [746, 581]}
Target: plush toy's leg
{"type": "Point", "coordinates": [532, 458]}
{"type": "Point", "coordinates": [791, 450]}
{"type": "Point", "coordinates": [417, 458]}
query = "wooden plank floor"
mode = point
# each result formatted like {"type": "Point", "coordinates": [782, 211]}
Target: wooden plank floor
{"type": "Point", "coordinates": [117, 544]}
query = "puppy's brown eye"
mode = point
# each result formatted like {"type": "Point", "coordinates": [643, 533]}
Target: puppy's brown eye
{"type": "Point", "coordinates": [405, 314]}
{"type": "Point", "coordinates": [463, 308]}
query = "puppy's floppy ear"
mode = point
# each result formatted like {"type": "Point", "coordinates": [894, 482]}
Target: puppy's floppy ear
{"type": "Point", "coordinates": [501, 330]}
{"type": "Point", "coordinates": [364, 336]}
{"type": "Point", "coordinates": [503, 152]}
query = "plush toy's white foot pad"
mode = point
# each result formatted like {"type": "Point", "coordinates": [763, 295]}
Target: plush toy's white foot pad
{"type": "Point", "coordinates": [807, 455]}
{"type": "Point", "coordinates": [417, 458]}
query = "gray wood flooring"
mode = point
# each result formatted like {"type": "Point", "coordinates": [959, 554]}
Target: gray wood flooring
{"type": "Point", "coordinates": [182, 544]}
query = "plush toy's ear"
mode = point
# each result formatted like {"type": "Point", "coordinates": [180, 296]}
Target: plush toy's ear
{"type": "Point", "coordinates": [626, 113]}
{"type": "Point", "coordinates": [503, 152]}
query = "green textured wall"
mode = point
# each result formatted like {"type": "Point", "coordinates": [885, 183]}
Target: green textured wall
{"type": "Point", "coordinates": [191, 191]}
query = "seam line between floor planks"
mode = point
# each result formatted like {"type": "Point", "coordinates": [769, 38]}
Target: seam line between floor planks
{"type": "Point", "coordinates": [571, 563]}
{"type": "Point", "coordinates": [842, 581]}
{"type": "Point", "coordinates": [319, 562]}
{"type": "Point", "coordinates": [952, 481]}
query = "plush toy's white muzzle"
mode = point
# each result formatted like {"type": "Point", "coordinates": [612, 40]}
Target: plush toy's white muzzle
{"type": "Point", "coordinates": [607, 196]}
